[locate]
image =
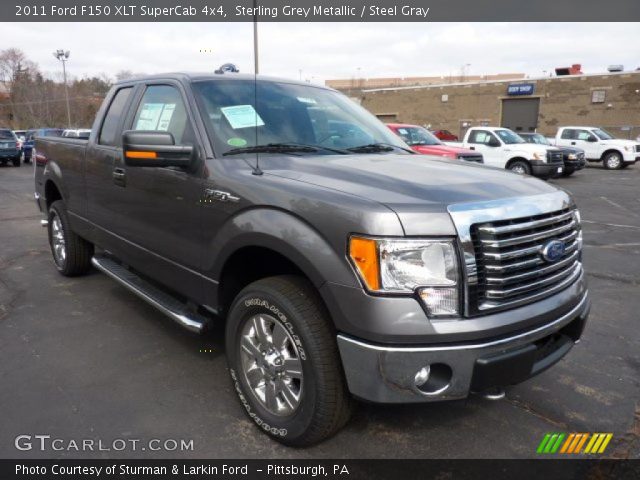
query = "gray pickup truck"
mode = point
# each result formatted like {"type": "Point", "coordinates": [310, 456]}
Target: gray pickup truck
{"type": "Point", "coordinates": [342, 264]}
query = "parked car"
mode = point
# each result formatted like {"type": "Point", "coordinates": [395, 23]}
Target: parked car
{"type": "Point", "coordinates": [9, 147]}
{"type": "Point", "coordinates": [77, 133]}
{"type": "Point", "coordinates": [339, 268]}
{"type": "Point", "coordinates": [445, 135]}
{"type": "Point", "coordinates": [503, 148]}
{"type": "Point", "coordinates": [573, 157]}
{"type": "Point", "coordinates": [37, 132]}
{"type": "Point", "coordinates": [424, 142]}
{"type": "Point", "coordinates": [600, 146]}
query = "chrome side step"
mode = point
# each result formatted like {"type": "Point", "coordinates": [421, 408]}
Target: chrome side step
{"type": "Point", "coordinates": [164, 302]}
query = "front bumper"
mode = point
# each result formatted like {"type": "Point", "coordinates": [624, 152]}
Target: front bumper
{"type": "Point", "coordinates": [577, 164]}
{"type": "Point", "coordinates": [543, 169]}
{"type": "Point", "coordinates": [387, 374]}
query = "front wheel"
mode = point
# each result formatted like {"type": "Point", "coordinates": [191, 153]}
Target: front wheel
{"type": "Point", "coordinates": [16, 161]}
{"type": "Point", "coordinates": [284, 361]}
{"type": "Point", "coordinates": [613, 161]}
{"type": "Point", "coordinates": [567, 172]}
{"type": "Point", "coordinates": [520, 166]}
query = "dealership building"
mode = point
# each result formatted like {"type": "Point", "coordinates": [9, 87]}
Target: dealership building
{"type": "Point", "coordinates": [607, 100]}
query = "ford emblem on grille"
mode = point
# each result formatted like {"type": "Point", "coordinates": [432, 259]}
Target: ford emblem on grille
{"type": "Point", "coordinates": [553, 251]}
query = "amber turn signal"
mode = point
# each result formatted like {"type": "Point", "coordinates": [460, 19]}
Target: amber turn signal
{"type": "Point", "coordinates": [132, 154]}
{"type": "Point", "coordinates": [364, 253]}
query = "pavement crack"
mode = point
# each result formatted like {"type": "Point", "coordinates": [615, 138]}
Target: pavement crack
{"type": "Point", "coordinates": [529, 409]}
{"type": "Point", "coordinates": [615, 277]}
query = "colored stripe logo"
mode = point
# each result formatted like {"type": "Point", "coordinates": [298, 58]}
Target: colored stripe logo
{"type": "Point", "coordinates": [574, 443]}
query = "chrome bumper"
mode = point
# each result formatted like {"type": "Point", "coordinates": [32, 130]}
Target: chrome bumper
{"type": "Point", "coordinates": [385, 374]}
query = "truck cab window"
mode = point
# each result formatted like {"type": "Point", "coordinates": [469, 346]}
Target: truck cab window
{"type": "Point", "coordinates": [162, 109]}
{"type": "Point", "coordinates": [109, 134]}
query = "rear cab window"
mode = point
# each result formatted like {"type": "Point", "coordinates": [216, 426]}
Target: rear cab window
{"type": "Point", "coordinates": [109, 133]}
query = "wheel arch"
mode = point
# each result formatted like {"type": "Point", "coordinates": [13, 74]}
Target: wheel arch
{"type": "Point", "coordinates": [511, 161]}
{"type": "Point", "coordinates": [611, 150]}
{"type": "Point", "coordinates": [51, 192]}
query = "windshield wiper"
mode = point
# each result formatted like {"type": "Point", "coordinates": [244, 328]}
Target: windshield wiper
{"type": "Point", "coordinates": [377, 148]}
{"type": "Point", "coordinates": [288, 147]}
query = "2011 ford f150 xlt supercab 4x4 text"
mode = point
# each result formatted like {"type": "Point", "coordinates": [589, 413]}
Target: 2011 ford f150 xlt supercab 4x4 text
{"type": "Point", "coordinates": [342, 264]}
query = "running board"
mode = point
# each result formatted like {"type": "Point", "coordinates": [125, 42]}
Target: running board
{"type": "Point", "coordinates": [164, 302]}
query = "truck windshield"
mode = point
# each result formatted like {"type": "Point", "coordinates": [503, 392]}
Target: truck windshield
{"type": "Point", "coordinates": [602, 134]}
{"type": "Point", "coordinates": [243, 114]}
{"type": "Point", "coordinates": [6, 135]}
{"type": "Point", "coordinates": [509, 137]}
{"type": "Point", "coordinates": [417, 136]}
{"type": "Point", "coordinates": [537, 138]}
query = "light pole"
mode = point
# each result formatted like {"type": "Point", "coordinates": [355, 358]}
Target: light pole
{"type": "Point", "coordinates": [255, 36]}
{"type": "Point", "coordinates": [63, 56]}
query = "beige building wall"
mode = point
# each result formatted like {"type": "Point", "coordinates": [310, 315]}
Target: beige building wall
{"type": "Point", "coordinates": [563, 101]}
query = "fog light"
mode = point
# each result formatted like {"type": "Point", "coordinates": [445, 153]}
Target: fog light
{"type": "Point", "coordinates": [440, 301]}
{"type": "Point", "coordinates": [422, 376]}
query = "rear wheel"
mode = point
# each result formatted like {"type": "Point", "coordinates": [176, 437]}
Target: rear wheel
{"type": "Point", "coordinates": [16, 161]}
{"type": "Point", "coordinates": [3, 162]}
{"type": "Point", "coordinates": [284, 361]}
{"type": "Point", "coordinates": [520, 166]}
{"type": "Point", "coordinates": [71, 253]}
{"type": "Point", "coordinates": [613, 161]}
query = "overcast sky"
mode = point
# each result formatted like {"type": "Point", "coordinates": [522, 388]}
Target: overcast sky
{"type": "Point", "coordinates": [326, 50]}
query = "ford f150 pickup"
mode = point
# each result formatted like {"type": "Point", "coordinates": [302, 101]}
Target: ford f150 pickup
{"type": "Point", "coordinates": [600, 146]}
{"type": "Point", "coordinates": [423, 141]}
{"type": "Point", "coordinates": [503, 148]}
{"type": "Point", "coordinates": [342, 264]}
{"type": "Point", "coordinates": [572, 157]}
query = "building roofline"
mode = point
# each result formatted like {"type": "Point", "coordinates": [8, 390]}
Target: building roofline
{"type": "Point", "coordinates": [506, 80]}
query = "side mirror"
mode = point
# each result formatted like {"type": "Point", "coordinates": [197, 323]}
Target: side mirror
{"type": "Point", "coordinates": [592, 139]}
{"type": "Point", "coordinates": [494, 142]}
{"type": "Point", "coordinates": [143, 148]}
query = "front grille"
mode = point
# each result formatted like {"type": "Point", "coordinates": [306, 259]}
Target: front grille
{"type": "Point", "coordinates": [554, 156]}
{"type": "Point", "coordinates": [471, 158]}
{"type": "Point", "coordinates": [637, 148]}
{"type": "Point", "coordinates": [511, 269]}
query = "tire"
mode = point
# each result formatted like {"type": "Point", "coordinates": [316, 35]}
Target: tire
{"type": "Point", "coordinates": [520, 166]}
{"type": "Point", "coordinates": [297, 334]}
{"type": "Point", "coordinates": [613, 161]}
{"type": "Point", "coordinates": [3, 162]}
{"type": "Point", "coordinates": [16, 161]}
{"type": "Point", "coordinates": [567, 172]}
{"type": "Point", "coordinates": [71, 253]}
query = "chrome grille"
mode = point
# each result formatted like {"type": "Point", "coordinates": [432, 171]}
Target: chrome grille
{"type": "Point", "coordinates": [554, 156]}
{"type": "Point", "coordinates": [637, 148]}
{"type": "Point", "coordinates": [511, 268]}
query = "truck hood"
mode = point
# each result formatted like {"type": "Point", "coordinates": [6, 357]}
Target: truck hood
{"type": "Point", "coordinates": [529, 147]}
{"type": "Point", "coordinates": [410, 185]}
{"type": "Point", "coordinates": [619, 142]}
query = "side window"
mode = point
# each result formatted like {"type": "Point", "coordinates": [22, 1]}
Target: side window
{"type": "Point", "coordinates": [109, 131]}
{"type": "Point", "coordinates": [568, 134]}
{"type": "Point", "coordinates": [584, 135]}
{"type": "Point", "coordinates": [480, 136]}
{"type": "Point", "coordinates": [162, 109]}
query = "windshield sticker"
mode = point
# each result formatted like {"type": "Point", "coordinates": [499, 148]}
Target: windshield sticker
{"type": "Point", "coordinates": [236, 142]}
{"type": "Point", "coordinates": [306, 100]}
{"type": "Point", "coordinates": [242, 116]}
{"type": "Point", "coordinates": [403, 131]}
{"type": "Point", "coordinates": [155, 116]}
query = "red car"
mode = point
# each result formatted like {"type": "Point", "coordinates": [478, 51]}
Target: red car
{"type": "Point", "coordinates": [445, 135]}
{"type": "Point", "coordinates": [423, 141]}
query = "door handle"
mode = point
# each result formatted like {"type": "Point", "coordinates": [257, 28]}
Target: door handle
{"type": "Point", "coordinates": [573, 143]}
{"type": "Point", "coordinates": [472, 148]}
{"type": "Point", "coordinates": [119, 176]}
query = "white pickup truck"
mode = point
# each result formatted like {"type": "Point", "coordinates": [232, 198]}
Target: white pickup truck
{"type": "Point", "coordinates": [600, 146]}
{"type": "Point", "coordinates": [504, 148]}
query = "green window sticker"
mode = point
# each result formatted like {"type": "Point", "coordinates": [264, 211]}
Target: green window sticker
{"type": "Point", "coordinates": [236, 142]}
{"type": "Point", "coordinates": [242, 116]}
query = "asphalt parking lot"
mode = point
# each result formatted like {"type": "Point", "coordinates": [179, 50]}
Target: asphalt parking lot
{"type": "Point", "coordinates": [84, 358]}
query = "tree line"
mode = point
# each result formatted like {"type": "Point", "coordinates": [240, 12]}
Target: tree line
{"type": "Point", "coordinates": [28, 99]}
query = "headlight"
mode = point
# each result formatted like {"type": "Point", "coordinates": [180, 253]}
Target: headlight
{"type": "Point", "coordinates": [427, 267]}
{"type": "Point", "coordinates": [572, 156]}
{"type": "Point", "coordinates": [539, 155]}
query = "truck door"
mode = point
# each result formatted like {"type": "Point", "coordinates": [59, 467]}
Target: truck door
{"type": "Point", "coordinates": [482, 141]}
{"type": "Point", "coordinates": [588, 142]}
{"type": "Point", "coordinates": [159, 207]}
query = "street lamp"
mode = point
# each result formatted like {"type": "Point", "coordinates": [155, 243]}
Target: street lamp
{"type": "Point", "coordinates": [63, 56]}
